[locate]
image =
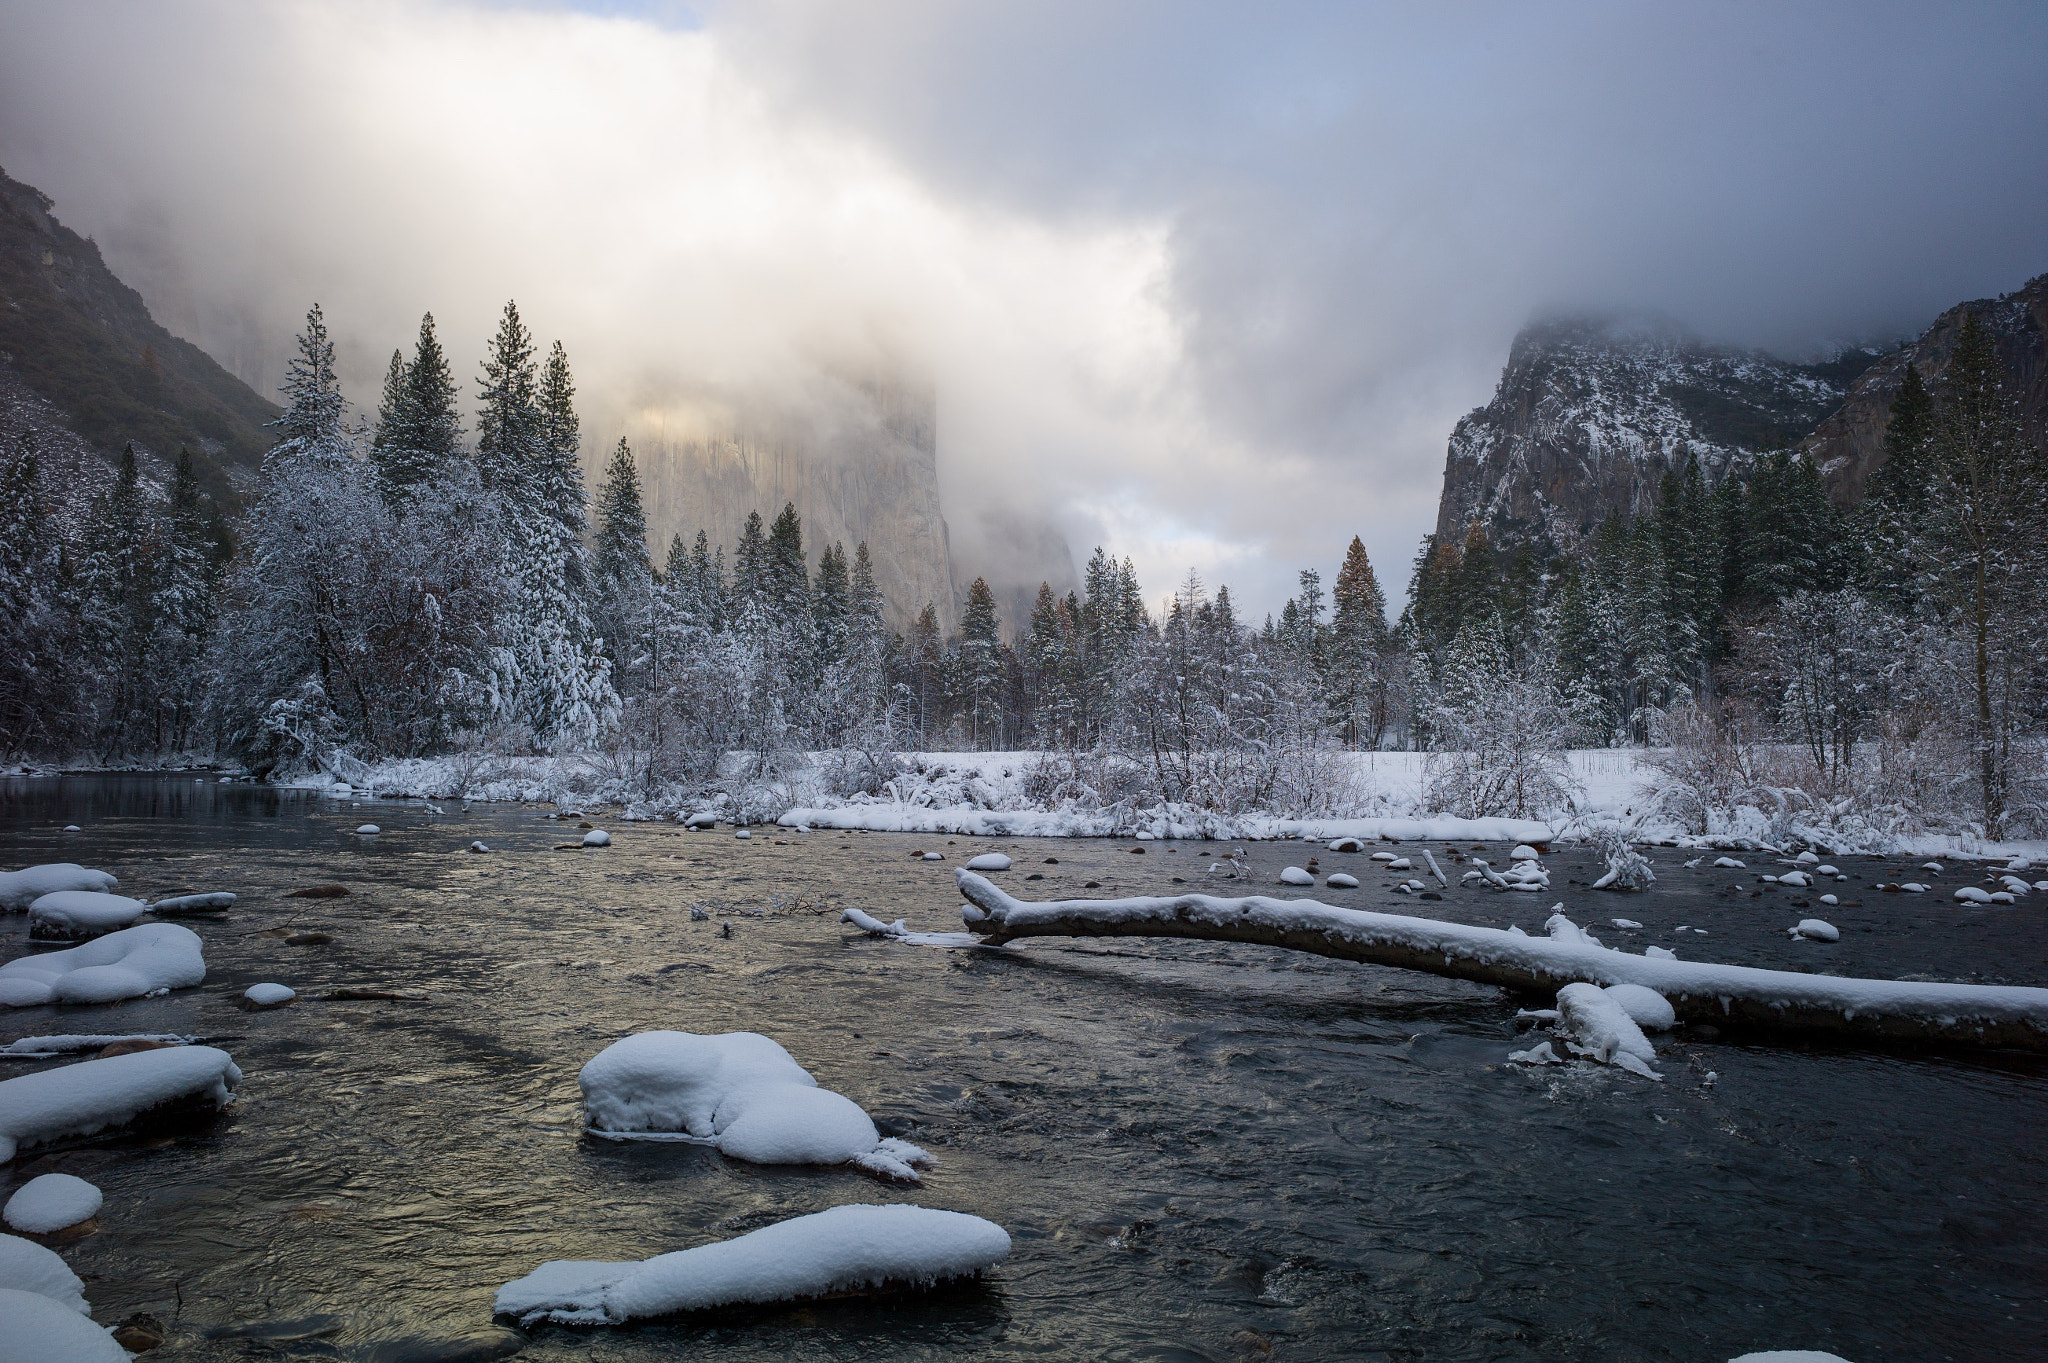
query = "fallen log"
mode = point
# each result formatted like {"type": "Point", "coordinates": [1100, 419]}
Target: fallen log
{"type": "Point", "coordinates": [1700, 992]}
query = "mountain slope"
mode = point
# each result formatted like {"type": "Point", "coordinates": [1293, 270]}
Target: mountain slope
{"type": "Point", "coordinates": [1849, 445]}
{"type": "Point", "coordinates": [74, 335]}
{"type": "Point", "coordinates": [1590, 414]}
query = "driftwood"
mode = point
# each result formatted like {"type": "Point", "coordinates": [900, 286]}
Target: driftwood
{"type": "Point", "coordinates": [1724, 995]}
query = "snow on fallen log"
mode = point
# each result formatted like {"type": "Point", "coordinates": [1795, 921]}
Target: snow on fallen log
{"type": "Point", "coordinates": [1984, 1015]}
{"type": "Point", "coordinates": [154, 958]}
{"type": "Point", "coordinates": [194, 903]}
{"type": "Point", "coordinates": [68, 1043]}
{"type": "Point", "coordinates": [19, 889]}
{"type": "Point", "coordinates": [94, 1095]}
{"type": "Point", "coordinates": [841, 1250]}
{"type": "Point", "coordinates": [738, 1091]}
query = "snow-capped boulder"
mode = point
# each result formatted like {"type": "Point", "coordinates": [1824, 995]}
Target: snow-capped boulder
{"type": "Point", "coordinates": [1807, 859]}
{"type": "Point", "coordinates": [269, 995]}
{"type": "Point", "coordinates": [933, 856]}
{"type": "Point", "coordinates": [744, 834]}
{"type": "Point", "coordinates": [843, 1249]}
{"type": "Point", "coordinates": [738, 1091]}
{"type": "Point", "coordinates": [989, 861]}
{"type": "Point", "coordinates": [703, 818]}
{"type": "Point", "coordinates": [478, 846]}
{"type": "Point", "coordinates": [1830, 900]}
{"type": "Point", "coordinates": [1815, 930]}
{"type": "Point", "coordinates": [26, 1266]}
{"type": "Point", "coordinates": [1341, 881]}
{"type": "Point", "coordinates": [1660, 953]}
{"type": "Point", "coordinates": [597, 837]}
{"type": "Point", "coordinates": [213, 902]}
{"type": "Point", "coordinates": [1649, 1009]}
{"type": "Point", "coordinates": [1730, 864]}
{"type": "Point", "coordinates": [1523, 852]}
{"type": "Point", "coordinates": [1400, 864]}
{"type": "Point", "coordinates": [1797, 879]}
{"type": "Point", "coordinates": [1596, 1026]}
{"type": "Point", "coordinates": [1346, 845]}
{"type": "Point", "coordinates": [94, 1095]}
{"type": "Point", "coordinates": [80, 915]}
{"type": "Point", "coordinates": [1383, 856]}
{"type": "Point", "coordinates": [1294, 875]}
{"type": "Point", "coordinates": [149, 959]}
{"type": "Point", "coordinates": [19, 889]}
{"type": "Point", "coordinates": [37, 1329]}
{"type": "Point", "coordinates": [1934, 866]}
{"type": "Point", "coordinates": [1790, 1356]}
{"type": "Point", "coordinates": [49, 1203]}
{"type": "Point", "coordinates": [368, 830]}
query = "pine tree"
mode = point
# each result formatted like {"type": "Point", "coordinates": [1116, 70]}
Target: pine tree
{"type": "Point", "coordinates": [925, 663]}
{"type": "Point", "coordinates": [1892, 520]}
{"type": "Point", "coordinates": [831, 608]}
{"type": "Point", "coordinates": [509, 423]}
{"type": "Point", "coordinates": [981, 673]}
{"type": "Point", "coordinates": [38, 691]}
{"type": "Point", "coordinates": [1358, 683]}
{"type": "Point", "coordinates": [624, 575]}
{"type": "Point", "coordinates": [560, 473]}
{"type": "Point", "coordinates": [750, 585]}
{"type": "Point", "coordinates": [187, 592]}
{"type": "Point", "coordinates": [311, 423]}
{"type": "Point", "coordinates": [419, 430]}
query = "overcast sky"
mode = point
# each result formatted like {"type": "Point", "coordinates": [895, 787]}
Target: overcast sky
{"type": "Point", "coordinates": [1207, 284]}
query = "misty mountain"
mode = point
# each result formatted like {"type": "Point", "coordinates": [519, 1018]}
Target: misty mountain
{"type": "Point", "coordinates": [1849, 445]}
{"type": "Point", "coordinates": [1591, 413]}
{"type": "Point", "coordinates": [79, 350]}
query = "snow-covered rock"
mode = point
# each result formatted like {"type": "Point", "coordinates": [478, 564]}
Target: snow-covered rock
{"type": "Point", "coordinates": [1649, 1009]}
{"type": "Point", "coordinates": [1807, 859]}
{"type": "Point", "coordinates": [744, 834]}
{"type": "Point", "coordinates": [738, 1091]}
{"type": "Point", "coordinates": [1796, 879]}
{"type": "Point", "coordinates": [269, 995]}
{"type": "Point", "coordinates": [79, 915]}
{"type": "Point", "coordinates": [1913, 887]}
{"type": "Point", "coordinates": [1730, 864]}
{"type": "Point", "coordinates": [149, 959]}
{"type": "Point", "coordinates": [93, 1095]}
{"type": "Point", "coordinates": [1595, 1025]}
{"type": "Point", "coordinates": [1400, 864]}
{"type": "Point", "coordinates": [70, 1043]}
{"type": "Point", "coordinates": [36, 1329]}
{"type": "Point", "coordinates": [1383, 856]}
{"type": "Point", "coordinates": [844, 1249]}
{"type": "Point", "coordinates": [1346, 845]}
{"type": "Point", "coordinates": [1340, 880]}
{"type": "Point", "coordinates": [1816, 930]}
{"type": "Point", "coordinates": [368, 829]}
{"type": "Point", "coordinates": [1790, 1356]}
{"type": "Point", "coordinates": [989, 861]}
{"type": "Point", "coordinates": [933, 856]}
{"type": "Point", "coordinates": [478, 846]}
{"type": "Point", "coordinates": [1934, 866]}
{"type": "Point", "coordinates": [1826, 871]}
{"type": "Point", "coordinates": [1523, 852]}
{"type": "Point", "coordinates": [51, 1202]}
{"type": "Point", "coordinates": [194, 903]}
{"type": "Point", "coordinates": [19, 889]}
{"type": "Point", "coordinates": [1830, 899]}
{"type": "Point", "coordinates": [1625, 922]}
{"type": "Point", "coordinates": [1660, 953]}
{"type": "Point", "coordinates": [26, 1266]}
{"type": "Point", "coordinates": [597, 837]}
{"type": "Point", "coordinates": [1294, 875]}
{"type": "Point", "coordinates": [703, 818]}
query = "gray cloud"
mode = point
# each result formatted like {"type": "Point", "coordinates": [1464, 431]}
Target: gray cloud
{"type": "Point", "coordinates": [1209, 282]}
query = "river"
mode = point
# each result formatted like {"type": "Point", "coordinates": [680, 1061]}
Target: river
{"type": "Point", "coordinates": [1201, 1151]}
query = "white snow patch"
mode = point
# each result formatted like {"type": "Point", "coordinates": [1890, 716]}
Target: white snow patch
{"type": "Point", "coordinates": [269, 995]}
{"type": "Point", "coordinates": [37, 1329]}
{"type": "Point", "coordinates": [51, 1202]}
{"type": "Point", "coordinates": [1625, 922]}
{"type": "Point", "coordinates": [19, 889]}
{"type": "Point", "coordinates": [1731, 864]}
{"type": "Point", "coordinates": [744, 834]}
{"type": "Point", "coordinates": [738, 1091]}
{"type": "Point", "coordinates": [1933, 866]}
{"type": "Point", "coordinates": [368, 829]}
{"type": "Point", "coordinates": [1831, 900]}
{"type": "Point", "coordinates": [150, 959]}
{"type": "Point", "coordinates": [1658, 953]}
{"type": "Point", "coordinates": [82, 913]}
{"type": "Point", "coordinates": [1539, 1054]}
{"type": "Point", "coordinates": [1596, 1026]}
{"type": "Point", "coordinates": [195, 903]}
{"type": "Point", "coordinates": [1646, 1007]}
{"type": "Point", "coordinates": [92, 1095]}
{"type": "Point", "coordinates": [597, 837]}
{"type": "Point", "coordinates": [843, 1249]}
{"type": "Point", "coordinates": [1790, 1356]}
{"type": "Point", "coordinates": [1294, 875]}
{"type": "Point", "coordinates": [989, 861]}
{"type": "Point", "coordinates": [1346, 845]}
{"type": "Point", "coordinates": [71, 1042]}
{"type": "Point", "coordinates": [26, 1266]}
{"type": "Point", "coordinates": [1340, 880]}
{"type": "Point", "coordinates": [1816, 930]}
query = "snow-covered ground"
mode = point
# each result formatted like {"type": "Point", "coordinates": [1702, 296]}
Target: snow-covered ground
{"type": "Point", "coordinates": [1374, 795]}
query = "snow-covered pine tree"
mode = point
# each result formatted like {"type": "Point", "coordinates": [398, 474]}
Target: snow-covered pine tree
{"type": "Point", "coordinates": [750, 586]}
{"type": "Point", "coordinates": [981, 671]}
{"type": "Point", "coordinates": [508, 423]}
{"type": "Point", "coordinates": [39, 685]}
{"type": "Point", "coordinates": [311, 423]}
{"type": "Point", "coordinates": [120, 580]}
{"type": "Point", "coordinates": [419, 430]}
{"type": "Point", "coordinates": [1358, 663]}
{"type": "Point", "coordinates": [623, 574]}
{"type": "Point", "coordinates": [187, 590]}
{"type": "Point", "coordinates": [924, 666]}
{"type": "Point", "coordinates": [1891, 522]}
{"type": "Point", "coordinates": [831, 607]}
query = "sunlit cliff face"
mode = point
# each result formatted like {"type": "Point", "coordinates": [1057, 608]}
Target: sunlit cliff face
{"type": "Point", "coordinates": [1210, 287]}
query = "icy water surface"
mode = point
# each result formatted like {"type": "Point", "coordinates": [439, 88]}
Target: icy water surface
{"type": "Point", "coordinates": [1202, 1152]}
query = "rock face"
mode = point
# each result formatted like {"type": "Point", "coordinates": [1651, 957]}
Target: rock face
{"type": "Point", "coordinates": [1590, 414]}
{"type": "Point", "coordinates": [1849, 445]}
{"type": "Point", "coordinates": [83, 364]}
{"type": "Point", "coordinates": [860, 464]}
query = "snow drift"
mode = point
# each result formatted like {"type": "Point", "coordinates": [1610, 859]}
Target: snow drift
{"type": "Point", "coordinates": [738, 1091]}
{"type": "Point", "coordinates": [94, 1095]}
{"type": "Point", "coordinates": [151, 959]}
{"type": "Point", "coordinates": [854, 1248]}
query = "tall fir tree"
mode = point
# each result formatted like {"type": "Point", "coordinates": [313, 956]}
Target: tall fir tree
{"type": "Point", "coordinates": [624, 575]}
{"type": "Point", "coordinates": [508, 422]}
{"type": "Point", "coordinates": [1891, 522]}
{"type": "Point", "coordinates": [419, 429]}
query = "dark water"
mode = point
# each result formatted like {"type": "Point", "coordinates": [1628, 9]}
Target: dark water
{"type": "Point", "coordinates": [1202, 1152]}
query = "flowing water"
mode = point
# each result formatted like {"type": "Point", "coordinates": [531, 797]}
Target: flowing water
{"type": "Point", "coordinates": [1202, 1151]}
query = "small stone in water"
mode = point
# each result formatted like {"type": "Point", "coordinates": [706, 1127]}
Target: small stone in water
{"type": "Point", "coordinates": [367, 829]}
{"type": "Point", "coordinates": [597, 837]}
{"type": "Point", "coordinates": [319, 892]}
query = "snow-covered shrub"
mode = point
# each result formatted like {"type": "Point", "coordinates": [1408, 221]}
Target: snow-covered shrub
{"type": "Point", "coordinates": [1627, 869]}
{"type": "Point", "coordinates": [1500, 734]}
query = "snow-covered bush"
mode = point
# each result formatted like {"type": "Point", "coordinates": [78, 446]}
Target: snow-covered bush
{"type": "Point", "coordinates": [1500, 734]}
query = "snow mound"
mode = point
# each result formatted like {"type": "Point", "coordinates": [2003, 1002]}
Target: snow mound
{"type": "Point", "coordinates": [1342, 881]}
{"type": "Point", "coordinates": [597, 837]}
{"type": "Point", "coordinates": [738, 1091]}
{"type": "Point", "coordinates": [1294, 875]}
{"type": "Point", "coordinates": [194, 903]}
{"type": "Point", "coordinates": [1797, 879]}
{"type": "Point", "coordinates": [1933, 866]}
{"type": "Point", "coordinates": [150, 959]}
{"type": "Point", "coordinates": [1790, 1356]}
{"type": "Point", "coordinates": [19, 889]}
{"type": "Point", "coordinates": [1346, 845]}
{"type": "Point", "coordinates": [989, 861]}
{"type": "Point", "coordinates": [478, 846]}
{"type": "Point", "coordinates": [75, 915]}
{"type": "Point", "coordinates": [1625, 922]}
{"type": "Point", "coordinates": [844, 1249]}
{"type": "Point", "coordinates": [35, 1329]}
{"type": "Point", "coordinates": [1730, 864]}
{"type": "Point", "coordinates": [1400, 864]}
{"type": "Point", "coordinates": [1807, 859]}
{"type": "Point", "coordinates": [743, 834]}
{"type": "Point", "coordinates": [368, 829]}
{"type": "Point", "coordinates": [269, 995]}
{"type": "Point", "coordinates": [50, 1203]}
{"type": "Point", "coordinates": [1969, 894]}
{"type": "Point", "coordinates": [69, 1042]}
{"type": "Point", "coordinates": [93, 1095]}
{"type": "Point", "coordinates": [932, 856]}
{"type": "Point", "coordinates": [1646, 1007]}
{"type": "Point", "coordinates": [701, 819]}
{"type": "Point", "coordinates": [1831, 900]}
{"type": "Point", "coordinates": [1814, 930]}
{"type": "Point", "coordinates": [1596, 1026]}
{"type": "Point", "coordinates": [1660, 953]}
{"type": "Point", "coordinates": [1523, 852]}
{"type": "Point", "coordinates": [26, 1266]}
